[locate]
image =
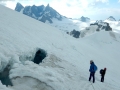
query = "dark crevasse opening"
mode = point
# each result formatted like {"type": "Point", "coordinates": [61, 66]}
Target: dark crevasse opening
{"type": "Point", "coordinates": [39, 56]}
{"type": "Point", "coordinates": [4, 77]}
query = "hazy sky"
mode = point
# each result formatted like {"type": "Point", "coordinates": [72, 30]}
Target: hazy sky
{"type": "Point", "coordinates": [94, 9]}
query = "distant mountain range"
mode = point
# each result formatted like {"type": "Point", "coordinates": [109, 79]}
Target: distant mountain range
{"type": "Point", "coordinates": [71, 26]}
{"type": "Point", "coordinates": [40, 13]}
{"type": "Point", "coordinates": [47, 13]}
{"type": "Point", "coordinates": [43, 13]}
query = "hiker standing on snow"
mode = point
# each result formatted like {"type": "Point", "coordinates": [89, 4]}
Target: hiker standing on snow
{"type": "Point", "coordinates": [102, 72]}
{"type": "Point", "coordinates": [92, 70]}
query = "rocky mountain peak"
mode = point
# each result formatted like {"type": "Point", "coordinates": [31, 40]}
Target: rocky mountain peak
{"type": "Point", "coordinates": [18, 7]}
{"type": "Point", "coordinates": [84, 19]}
{"type": "Point", "coordinates": [111, 18]}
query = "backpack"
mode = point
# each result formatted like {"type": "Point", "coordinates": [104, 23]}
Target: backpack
{"type": "Point", "coordinates": [95, 68]}
{"type": "Point", "coordinates": [101, 71]}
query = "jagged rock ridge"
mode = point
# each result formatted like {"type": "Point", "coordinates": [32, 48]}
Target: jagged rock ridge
{"type": "Point", "coordinates": [102, 26]}
{"type": "Point", "coordinates": [40, 13]}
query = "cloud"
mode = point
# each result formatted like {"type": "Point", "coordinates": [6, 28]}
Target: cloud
{"type": "Point", "coordinates": [58, 4]}
{"type": "Point", "coordinates": [12, 3]}
{"type": "Point", "coordinates": [15, 0]}
{"type": "Point", "coordinates": [77, 8]}
{"type": "Point", "coordinates": [67, 7]}
{"type": "Point", "coordinates": [103, 13]}
{"type": "Point", "coordinates": [103, 1]}
{"type": "Point", "coordinates": [6, 0]}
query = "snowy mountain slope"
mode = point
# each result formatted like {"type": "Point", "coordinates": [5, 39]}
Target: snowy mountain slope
{"type": "Point", "coordinates": [67, 63]}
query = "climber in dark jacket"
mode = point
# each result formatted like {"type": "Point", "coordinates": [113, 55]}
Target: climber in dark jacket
{"type": "Point", "coordinates": [103, 74]}
{"type": "Point", "coordinates": [92, 71]}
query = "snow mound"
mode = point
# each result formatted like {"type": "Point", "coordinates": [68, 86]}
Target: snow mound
{"type": "Point", "coordinates": [105, 36]}
{"type": "Point", "coordinates": [30, 83]}
{"type": "Point", "coordinates": [52, 74]}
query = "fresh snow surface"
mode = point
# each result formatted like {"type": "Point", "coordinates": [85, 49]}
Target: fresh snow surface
{"type": "Point", "coordinates": [66, 66]}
